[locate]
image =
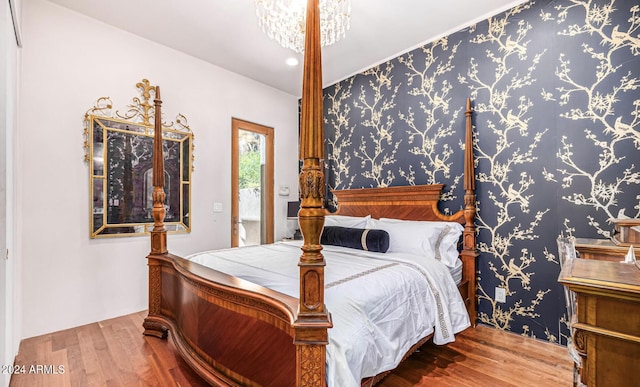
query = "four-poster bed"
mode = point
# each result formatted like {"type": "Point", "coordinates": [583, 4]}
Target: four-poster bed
{"type": "Point", "coordinates": [236, 332]}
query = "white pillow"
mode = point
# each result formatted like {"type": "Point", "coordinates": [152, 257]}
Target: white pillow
{"type": "Point", "coordinates": [424, 238]}
{"type": "Point", "coordinates": [346, 221]}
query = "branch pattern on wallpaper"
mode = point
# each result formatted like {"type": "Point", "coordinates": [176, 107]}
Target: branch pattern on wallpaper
{"type": "Point", "coordinates": [338, 155]}
{"type": "Point", "coordinates": [427, 134]}
{"type": "Point", "coordinates": [377, 150]}
{"type": "Point", "coordinates": [609, 123]}
{"type": "Point", "coordinates": [554, 85]}
{"type": "Point", "coordinates": [508, 112]}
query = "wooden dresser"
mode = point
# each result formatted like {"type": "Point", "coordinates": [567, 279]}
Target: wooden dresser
{"type": "Point", "coordinates": [603, 249]}
{"type": "Point", "coordinates": [607, 330]}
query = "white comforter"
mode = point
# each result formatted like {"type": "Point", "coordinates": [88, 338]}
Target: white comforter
{"type": "Point", "coordinates": [380, 304]}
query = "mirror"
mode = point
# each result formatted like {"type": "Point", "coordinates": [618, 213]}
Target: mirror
{"type": "Point", "coordinates": [119, 151]}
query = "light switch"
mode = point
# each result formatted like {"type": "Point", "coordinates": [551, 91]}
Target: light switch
{"type": "Point", "coordinates": [217, 207]}
{"type": "Point", "coordinates": [283, 190]}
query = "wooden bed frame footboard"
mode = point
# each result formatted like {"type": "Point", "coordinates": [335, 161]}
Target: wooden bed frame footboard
{"type": "Point", "coordinates": [233, 332]}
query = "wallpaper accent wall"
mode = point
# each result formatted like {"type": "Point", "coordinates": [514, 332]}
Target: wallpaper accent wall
{"type": "Point", "coordinates": [555, 87]}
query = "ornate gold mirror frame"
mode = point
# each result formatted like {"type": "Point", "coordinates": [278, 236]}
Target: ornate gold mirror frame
{"type": "Point", "coordinates": [119, 150]}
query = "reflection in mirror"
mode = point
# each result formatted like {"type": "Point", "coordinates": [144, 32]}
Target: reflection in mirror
{"type": "Point", "coordinates": [121, 166]}
{"type": "Point", "coordinates": [185, 204]}
{"type": "Point", "coordinates": [98, 157]}
{"type": "Point", "coordinates": [98, 203]}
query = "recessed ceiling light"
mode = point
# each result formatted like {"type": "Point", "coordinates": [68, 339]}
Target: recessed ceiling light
{"type": "Point", "coordinates": [292, 61]}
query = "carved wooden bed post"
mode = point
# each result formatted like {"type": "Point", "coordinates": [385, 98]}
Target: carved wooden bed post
{"type": "Point", "coordinates": [469, 250]}
{"type": "Point", "coordinates": [158, 234]}
{"type": "Point", "coordinates": [153, 326]}
{"type": "Point", "coordinates": [313, 320]}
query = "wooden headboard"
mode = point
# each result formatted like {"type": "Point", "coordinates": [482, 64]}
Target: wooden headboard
{"type": "Point", "coordinates": [415, 202]}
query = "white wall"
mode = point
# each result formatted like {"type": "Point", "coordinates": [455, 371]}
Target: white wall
{"type": "Point", "coordinates": [68, 62]}
{"type": "Point", "coordinates": [9, 280]}
{"type": "Point", "coordinates": [5, 22]}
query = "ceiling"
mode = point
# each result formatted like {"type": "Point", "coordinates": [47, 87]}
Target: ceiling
{"type": "Point", "coordinates": [225, 32]}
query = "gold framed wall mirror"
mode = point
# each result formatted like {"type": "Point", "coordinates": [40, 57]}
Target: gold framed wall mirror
{"type": "Point", "coordinates": [119, 151]}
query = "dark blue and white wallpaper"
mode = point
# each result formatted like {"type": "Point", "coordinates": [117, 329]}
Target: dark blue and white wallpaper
{"type": "Point", "coordinates": [556, 90]}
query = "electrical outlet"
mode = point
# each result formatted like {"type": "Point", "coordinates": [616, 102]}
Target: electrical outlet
{"type": "Point", "coordinates": [501, 295]}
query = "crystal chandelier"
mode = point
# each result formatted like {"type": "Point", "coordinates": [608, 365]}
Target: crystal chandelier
{"type": "Point", "coordinates": [284, 21]}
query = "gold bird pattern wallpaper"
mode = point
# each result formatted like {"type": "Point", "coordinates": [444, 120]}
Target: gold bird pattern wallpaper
{"type": "Point", "coordinates": [555, 87]}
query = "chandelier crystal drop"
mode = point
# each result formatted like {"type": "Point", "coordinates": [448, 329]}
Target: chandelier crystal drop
{"type": "Point", "coordinates": [285, 21]}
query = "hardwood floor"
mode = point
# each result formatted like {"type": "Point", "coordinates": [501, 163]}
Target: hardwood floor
{"type": "Point", "coordinates": [484, 356]}
{"type": "Point", "coordinates": [115, 353]}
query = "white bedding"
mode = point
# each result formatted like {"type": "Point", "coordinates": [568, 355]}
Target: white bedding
{"type": "Point", "coordinates": [456, 272]}
{"type": "Point", "coordinates": [380, 304]}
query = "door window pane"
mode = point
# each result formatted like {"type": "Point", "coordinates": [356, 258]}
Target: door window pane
{"type": "Point", "coordinates": [252, 157]}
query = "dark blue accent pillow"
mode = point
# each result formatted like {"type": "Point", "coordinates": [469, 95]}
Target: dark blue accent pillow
{"type": "Point", "coordinates": [356, 238]}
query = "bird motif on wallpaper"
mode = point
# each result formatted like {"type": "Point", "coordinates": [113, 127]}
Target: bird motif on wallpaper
{"type": "Point", "coordinates": [439, 164]}
{"type": "Point", "coordinates": [622, 130]}
{"type": "Point", "coordinates": [516, 272]}
{"type": "Point", "coordinates": [513, 46]}
{"type": "Point", "coordinates": [438, 101]}
{"type": "Point", "coordinates": [619, 37]}
{"type": "Point", "coordinates": [514, 121]}
{"type": "Point", "coordinates": [514, 196]}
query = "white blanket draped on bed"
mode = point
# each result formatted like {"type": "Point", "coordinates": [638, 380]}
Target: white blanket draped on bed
{"type": "Point", "coordinates": [380, 304]}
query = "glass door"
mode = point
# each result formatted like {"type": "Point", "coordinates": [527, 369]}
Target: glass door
{"type": "Point", "coordinates": [252, 185]}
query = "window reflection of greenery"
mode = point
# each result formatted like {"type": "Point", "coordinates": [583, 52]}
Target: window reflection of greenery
{"type": "Point", "coordinates": [250, 170]}
{"type": "Point", "coordinates": [250, 160]}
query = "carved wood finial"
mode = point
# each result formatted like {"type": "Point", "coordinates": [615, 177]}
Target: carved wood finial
{"type": "Point", "coordinates": [312, 133]}
{"type": "Point", "coordinates": [159, 233]}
